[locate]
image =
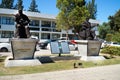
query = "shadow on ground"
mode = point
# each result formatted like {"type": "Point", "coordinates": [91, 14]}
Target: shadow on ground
{"type": "Point", "coordinates": [49, 59]}
{"type": "Point", "coordinates": [45, 59]}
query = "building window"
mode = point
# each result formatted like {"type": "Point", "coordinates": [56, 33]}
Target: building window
{"type": "Point", "coordinates": [35, 29]}
{"type": "Point", "coordinates": [34, 23]}
{"type": "Point", "coordinates": [7, 34]}
{"type": "Point", "coordinates": [46, 29]}
{"type": "Point", "coordinates": [35, 34]}
{"type": "Point", "coordinates": [55, 30]}
{"type": "Point", "coordinates": [45, 23]}
{"type": "Point", "coordinates": [45, 35]}
{"type": "Point", "coordinates": [0, 19]}
{"type": "Point", "coordinates": [53, 24]}
{"type": "Point", "coordinates": [8, 20]}
{"type": "Point", "coordinates": [55, 36]}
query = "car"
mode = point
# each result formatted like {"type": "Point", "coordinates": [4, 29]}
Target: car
{"type": "Point", "coordinates": [5, 47]}
{"type": "Point", "coordinates": [72, 46]}
{"type": "Point", "coordinates": [103, 44]}
{"type": "Point", "coordinates": [110, 44]}
{"type": "Point", "coordinates": [113, 44]}
{"type": "Point", "coordinates": [44, 44]}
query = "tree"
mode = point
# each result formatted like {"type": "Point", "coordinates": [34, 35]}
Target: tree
{"type": "Point", "coordinates": [116, 37]}
{"type": "Point", "coordinates": [72, 14]}
{"type": "Point", "coordinates": [19, 5]}
{"type": "Point", "coordinates": [33, 7]}
{"type": "Point", "coordinates": [115, 21]}
{"type": "Point", "coordinates": [7, 4]}
{"type": "Point", "coordinates": [92, 8]}
{"type": "Point", "coordinates": [104, 29]}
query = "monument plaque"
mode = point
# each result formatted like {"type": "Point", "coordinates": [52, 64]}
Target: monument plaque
{"type": "Point", "coordinates": [93, 48]}
{"type": "Point", "coordinates": [65, 47]}
{"type": "Point", "coordinates": [54, 47]}
{"type": "Point", "coordinates": [59, 48]}
{"type": "Point", "coordinates": [23, 48]}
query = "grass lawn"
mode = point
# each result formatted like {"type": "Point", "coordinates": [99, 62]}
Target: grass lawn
{"type": "Point", "coordinates": [56, 66]}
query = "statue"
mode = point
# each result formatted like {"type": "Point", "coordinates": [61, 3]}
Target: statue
{"type": "Point", "coordinates": [22, 28]}
{"type": "Point", "coordinates": [86, 33]}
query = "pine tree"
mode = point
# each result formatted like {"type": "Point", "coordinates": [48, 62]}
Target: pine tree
{"type": "Point", "coordinates": [33, 7]}
{"type": "Point", "coordinates": [19, 5]}
{"type": "Point", "coordinates": [7, 4]}
{"type": "Point", "coordinates": [92, 8]}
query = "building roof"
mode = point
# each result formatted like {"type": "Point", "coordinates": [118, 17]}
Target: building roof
{"type": "Point", "coordinates": [28, 13]}
{"type": "Point", "coordinates": [36, 14]}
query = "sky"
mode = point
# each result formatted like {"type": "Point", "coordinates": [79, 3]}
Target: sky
{"type": "Point", "coordinates": [105, 8]}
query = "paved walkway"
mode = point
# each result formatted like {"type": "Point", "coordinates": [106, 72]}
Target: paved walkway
{"type": "Point", "coordinates": [111, 72]}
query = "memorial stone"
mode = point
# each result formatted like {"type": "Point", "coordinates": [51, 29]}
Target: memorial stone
{"type": "Point", "coordinates": [23, 48]}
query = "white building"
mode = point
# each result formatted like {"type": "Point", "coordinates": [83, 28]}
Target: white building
{"type": "Point", "coordinates": [41, 25]}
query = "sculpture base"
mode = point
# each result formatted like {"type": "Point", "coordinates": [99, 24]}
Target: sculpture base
{"type": "Point", "coordinates": [23, 48]}
{"type": "Point", "coordinates": [92, 58]}
{"type": "Point", "coordinates": [88, 47]}
{"type": "Point", "coordinates": [9, 62]}
{"type": "Point", "coordinates": [88, 50]}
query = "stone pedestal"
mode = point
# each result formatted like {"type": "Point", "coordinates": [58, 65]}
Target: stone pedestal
{"type": "Point", "coordinates": [23, 53]}
{"type": "Point", "coordinates": [23, 48]}
{"type": "Point", "coordinates": [89, 50]}
{"type": "Point", "coordinates": [9, 62]}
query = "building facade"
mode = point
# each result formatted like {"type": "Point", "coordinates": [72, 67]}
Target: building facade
{"type": "Point", "coordinates": [41, 25]}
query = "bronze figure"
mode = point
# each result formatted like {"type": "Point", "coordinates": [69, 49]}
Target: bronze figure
{"type": "Point", "coordinates": [22, 28]}
{"type": "Point", "coordinates": [86, 33]}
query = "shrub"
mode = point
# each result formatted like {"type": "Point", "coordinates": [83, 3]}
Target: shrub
{"type": "Point", "coordinates": [116, 37]}
{"type": "Point", "coordinates": [112, 50]}
{"type": "Point", "coordinates": [108, 37]}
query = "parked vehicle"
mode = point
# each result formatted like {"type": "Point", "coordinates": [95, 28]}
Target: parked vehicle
{"type": "Point", "coordinates": [43, 45]}
{"type": "Point", "coordinates": [72, 46]}
{"type": "Point", "coordinates": [110, 44]}
{"type": "Point", "coordinates": [5, 47]}
{"type": "Point", "coordinates": [113, 44]}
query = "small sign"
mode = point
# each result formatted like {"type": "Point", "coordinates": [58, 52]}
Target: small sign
{"type": "Point", "coordinates": [59, 47]}
{"type": "Point", "coordinates": [65, 47]}
{"type": "Point", "coordinates": [55, 47]}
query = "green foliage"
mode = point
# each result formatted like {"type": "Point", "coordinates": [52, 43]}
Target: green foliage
{"type": "Point", "coordinates": [72, 14]}
{"type": "Point", "coordinates": [33, 7]}
{"type": "Point", "coordinates": [115, 21]}
{"type": "Point", "coordinates": [112, 50]}
{"type": "Point", "coordinates": [108, 37]}
{"type": "Point", "coordinates": [6, 4]}
{"type": "Point", "coordinates": [104, 29]}
{"type": "Point", "coordinates": [92, 8]}
{"type": "Point", "coordinates": [112, 27]}
{"type": "Point", "coordinates": [19, 5]}
{"type": "Point", "coordinates": [116, 37]}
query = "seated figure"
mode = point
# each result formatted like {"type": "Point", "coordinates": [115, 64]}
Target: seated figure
{"type": "Point", "coordinates": [22, 28]}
